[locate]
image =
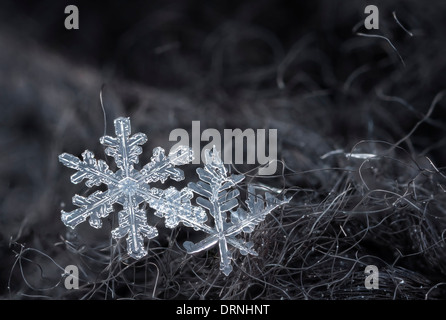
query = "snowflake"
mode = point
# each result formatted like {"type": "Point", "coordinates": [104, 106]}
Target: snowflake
{"type": "Point", "coordinates": [127, 186]}
{"type": "Point", "coordinates": [219, 197]}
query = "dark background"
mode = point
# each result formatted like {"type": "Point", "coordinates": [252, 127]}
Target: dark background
{"type": "Point", "coordinates": [297, 66]}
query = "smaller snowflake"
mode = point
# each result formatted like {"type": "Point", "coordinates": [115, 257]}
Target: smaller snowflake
{"type": "Point", "coordinates": [127, 186]}
{"type": "Point", "coordinates": [218, 196]}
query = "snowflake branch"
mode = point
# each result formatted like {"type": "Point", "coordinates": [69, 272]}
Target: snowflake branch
{"type": "Point", "coordinates": [133, 224]}
{"type": "Point", "coordinates": [96, 206]}
{"type": "Point", "coordinates": [96, 172]}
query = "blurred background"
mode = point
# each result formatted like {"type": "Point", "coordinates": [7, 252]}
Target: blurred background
{"type": "Point", "coordinates": [309, 69]}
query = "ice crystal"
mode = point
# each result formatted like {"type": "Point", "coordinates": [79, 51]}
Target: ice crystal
{"type": "Point", "coordinates": [219, 197]}
{"type": "Point", "coordinates": [127, 186]}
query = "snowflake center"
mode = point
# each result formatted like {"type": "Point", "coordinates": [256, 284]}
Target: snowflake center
{"type": "Point", "coordinates": [128, 186]}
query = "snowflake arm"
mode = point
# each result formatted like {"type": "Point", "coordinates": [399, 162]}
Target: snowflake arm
{"type": "Point", "coordinates": [258, 207]}
{"type": "Point", "coordinates": [133, 224]}
{"type": "Point", "coordinates": [175, 207]}
{"type": "Point", "coordinates": [98, 205]}
{"type": "Point", "coordinates": [125, 149]}
{"type": "Point", "coordinates": [160, 167]}
{"type": "Point", "coordinates": [96, 172]}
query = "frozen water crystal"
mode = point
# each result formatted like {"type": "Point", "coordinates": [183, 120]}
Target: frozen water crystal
{"type": "Point", "coordinates": [127, 186]}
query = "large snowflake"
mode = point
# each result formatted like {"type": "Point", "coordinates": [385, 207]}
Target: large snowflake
{"type": "Point", "coordinates": [127, 186]}
{"type": "Point", "coordinates": [219, 196]}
